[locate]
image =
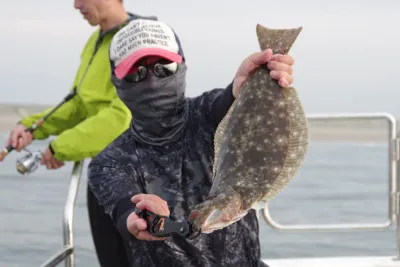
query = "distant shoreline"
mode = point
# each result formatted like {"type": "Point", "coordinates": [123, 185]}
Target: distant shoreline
{"type": "Point", "coordinates": [365, 131]}
{"type": "Point", "coordinates": [10, 114]}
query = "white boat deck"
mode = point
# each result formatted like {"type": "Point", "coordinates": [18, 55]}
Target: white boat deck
{"type": "Point", "coordinates": [381, 261]}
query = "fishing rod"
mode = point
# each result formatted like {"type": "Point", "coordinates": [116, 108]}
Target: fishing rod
{"type": "Point", "coordinates": [30, 162]}
{"type": "Point", "coordinates": [39, 122]}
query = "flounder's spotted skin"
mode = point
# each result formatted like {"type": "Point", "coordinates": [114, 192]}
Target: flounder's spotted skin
{"type": "Point", "coordinates": [259, 145]}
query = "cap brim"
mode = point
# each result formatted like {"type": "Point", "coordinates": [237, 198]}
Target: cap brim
{"type": "Point", "coordinates": [125, 66]}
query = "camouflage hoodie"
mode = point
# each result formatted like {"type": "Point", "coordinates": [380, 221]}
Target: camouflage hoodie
{"type": "Point", "coordinates": [168, 151]}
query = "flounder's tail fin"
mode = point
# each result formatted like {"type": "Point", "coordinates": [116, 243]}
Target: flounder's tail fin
{"type": "Point", "coordinates": [279, 40]}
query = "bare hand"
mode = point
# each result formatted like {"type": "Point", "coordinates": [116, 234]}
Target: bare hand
{"type": "Point", "coordinates": [137, 226]}
{"type": "Point", "coordinates": [280, 66]}
{"type": "Point", "coordinates": [19, 138]}
{"type": "Point", "coordinates": [49, 160]}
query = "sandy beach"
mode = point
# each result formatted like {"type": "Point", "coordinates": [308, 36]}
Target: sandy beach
{"type": "Point", "coordinates": [350, 130]}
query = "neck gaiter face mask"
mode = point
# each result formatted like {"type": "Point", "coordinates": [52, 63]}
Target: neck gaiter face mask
{"type": "Point", "coordinates": [157, 105]}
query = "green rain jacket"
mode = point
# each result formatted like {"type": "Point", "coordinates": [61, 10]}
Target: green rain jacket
{"type": "Point", "coordinates": [95, 116]}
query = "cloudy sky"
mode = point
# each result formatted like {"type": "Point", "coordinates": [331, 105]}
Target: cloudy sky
{"type": "Point", "coordinates": [347, 56]}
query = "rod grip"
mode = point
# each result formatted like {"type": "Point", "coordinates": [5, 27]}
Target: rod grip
{"type": "Point", "coordinates": [5, 151]}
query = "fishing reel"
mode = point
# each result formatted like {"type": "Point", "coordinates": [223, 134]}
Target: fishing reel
{"type": "Point", "coordinates": [29, 162]}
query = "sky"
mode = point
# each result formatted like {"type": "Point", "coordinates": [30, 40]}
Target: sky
{"type": "Point", "coordinates": [346, 57]}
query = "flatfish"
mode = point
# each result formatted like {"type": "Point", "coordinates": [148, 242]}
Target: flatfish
{"type": "Point", "coordinates": [259, 145]}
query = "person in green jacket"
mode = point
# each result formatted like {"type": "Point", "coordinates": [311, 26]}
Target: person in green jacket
{"type": "Point", "coordinates": [91, 120]}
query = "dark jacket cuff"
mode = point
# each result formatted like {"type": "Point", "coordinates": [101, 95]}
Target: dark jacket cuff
{"type": "Point", "coordinates": [121, 212]}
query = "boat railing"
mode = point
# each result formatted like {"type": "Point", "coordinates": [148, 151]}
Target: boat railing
{"type": "Point", "coordinates": [67, 252]}
{"type": "Point", "coordinates": [393, 195]}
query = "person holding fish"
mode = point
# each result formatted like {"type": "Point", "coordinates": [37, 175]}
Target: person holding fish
{"type": "Point", "coordinates": [164, 162]}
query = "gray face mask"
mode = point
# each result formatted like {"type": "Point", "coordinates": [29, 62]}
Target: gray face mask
{"type": "Point", "coordinates": [157, 105]}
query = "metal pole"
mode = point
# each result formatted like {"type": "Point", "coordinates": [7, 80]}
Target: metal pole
{"type": "Point", "coordinates": [68, 222]}
{"type": "Point", "coordinates": [67, 253]}
{"type": "Point", "coordinates": [393, 178]}
{"type": "Point", "coordinates": [398, 233]}
{"type": "Point", "coordinates": [397, 199]}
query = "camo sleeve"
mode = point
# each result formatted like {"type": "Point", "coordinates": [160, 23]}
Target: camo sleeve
{"type": "Point", "coordinates": [113, 183]}
{"type": "Point", "coordinates": [216, 103]}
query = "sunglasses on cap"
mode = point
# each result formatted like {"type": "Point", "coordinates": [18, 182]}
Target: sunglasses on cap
{"type": "Point", "coordinates": [160, 69]}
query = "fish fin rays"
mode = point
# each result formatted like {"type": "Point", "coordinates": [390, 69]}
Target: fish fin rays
{"type": "Point", "coordinates": [220, 133]}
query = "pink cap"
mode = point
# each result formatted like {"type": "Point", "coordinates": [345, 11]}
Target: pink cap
{"type": "Point", "coordinates": [141, 38]}
{"type": "Point", "coordinates": [122, 69]}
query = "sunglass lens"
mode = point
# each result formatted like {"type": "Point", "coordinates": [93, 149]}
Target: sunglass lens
{"type": "Point", "coordinates": [164, 70]}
